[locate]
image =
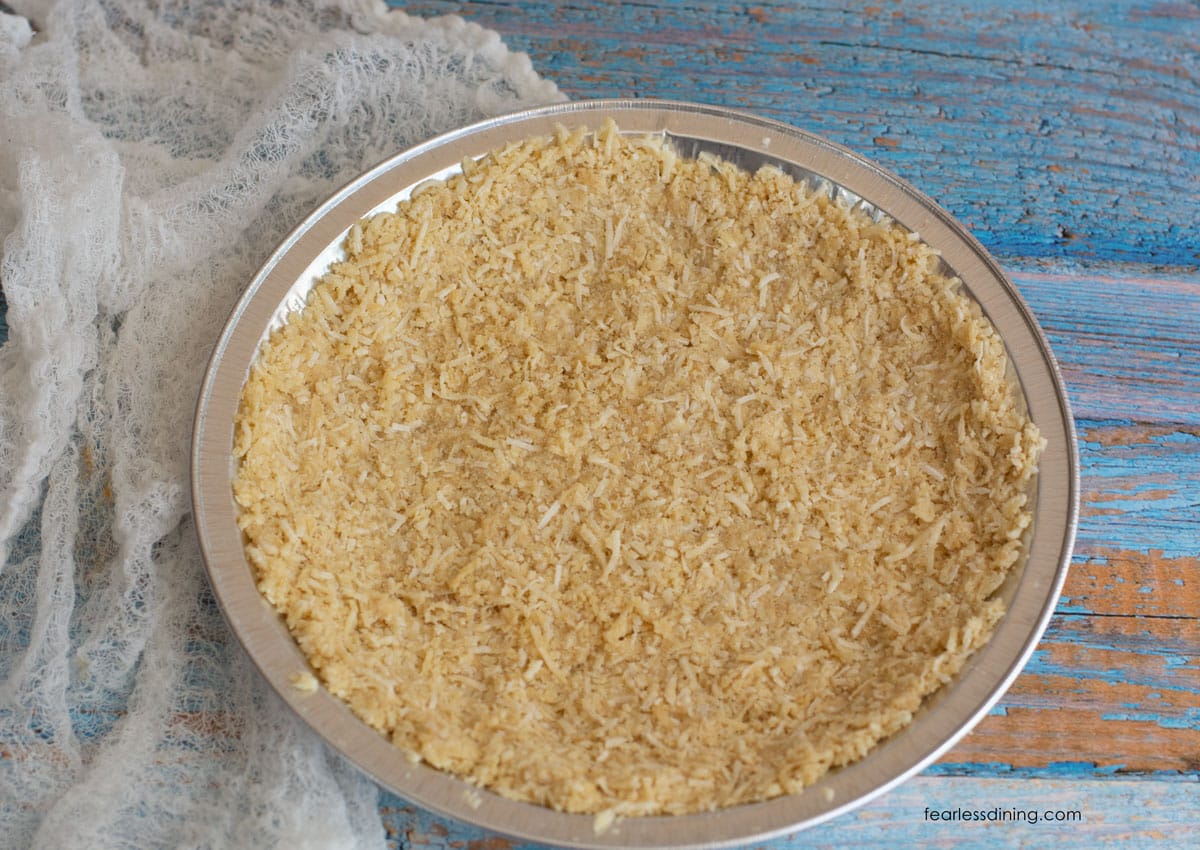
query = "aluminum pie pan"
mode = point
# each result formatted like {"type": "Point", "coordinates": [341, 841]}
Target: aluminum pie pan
{"type": "Point", "coordinates": [279, 288]}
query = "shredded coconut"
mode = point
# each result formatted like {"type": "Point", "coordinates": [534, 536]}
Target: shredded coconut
{"type": "Point", "coordinates": [715, 477]}
{"type": "Point", "coordinates": [305, 682]}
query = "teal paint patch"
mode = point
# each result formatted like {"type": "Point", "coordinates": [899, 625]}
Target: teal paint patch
{"type": "Point", "coordinates": [1054, 770]}
{"type": "Point", "coordinates": [1172, 662]}
{"type": "Point", "coordinates": [1067, 606]}
{"type": "Point", "coordinates": [1190, 719]}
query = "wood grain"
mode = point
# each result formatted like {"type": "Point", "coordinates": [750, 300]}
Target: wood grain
{"type": "Point", "coordinates": [1140, 497]}
{"type": "Point", "coordinates": [1053, 130]}
{"type": "Point", "coordinates": [1101, 695]}
{"type": "Point", "coordinates": [1124, 582]}
{"type": "Point", "coordinates": [1128, 344]}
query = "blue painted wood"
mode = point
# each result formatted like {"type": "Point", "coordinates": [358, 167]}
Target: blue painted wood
{"type": "Point", "coordinates": [1054, 130]}
{"type": "Point", "coordinates": [1140, 496]}
{"type": "Point", "coordinates": [1128, 344]}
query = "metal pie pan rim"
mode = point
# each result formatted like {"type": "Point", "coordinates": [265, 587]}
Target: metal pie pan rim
{"type": "Point", "coordinates": [943, 719]}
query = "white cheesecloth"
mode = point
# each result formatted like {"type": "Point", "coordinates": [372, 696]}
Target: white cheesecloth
{"type": "Point", "coordinates": [151, 156]}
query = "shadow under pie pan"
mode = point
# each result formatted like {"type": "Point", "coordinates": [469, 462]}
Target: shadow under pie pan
{"type": "Point", "coordinates": [280, 288]}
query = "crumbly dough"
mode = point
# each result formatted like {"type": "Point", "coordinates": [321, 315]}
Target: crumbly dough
{"type": "Point", "coordinates": [627, 483]}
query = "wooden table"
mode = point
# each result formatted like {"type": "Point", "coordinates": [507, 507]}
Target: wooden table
{"type": "Point", "coordinates": [1066, 137]}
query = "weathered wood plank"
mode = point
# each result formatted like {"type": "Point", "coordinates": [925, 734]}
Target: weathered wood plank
{"type": "Point", "coordinates": [1128, 345]}
{"type": "Point", "coordinates": [1119, 582]}
{"type": "Point", "coordinates": [1053, 130]}
{"type": "Point", "coordinates": [1129, 813]}
{"type": "Point", "coordinates": [1100, 695]}
{"type": "Point", "coordinates": [1140, 495]}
